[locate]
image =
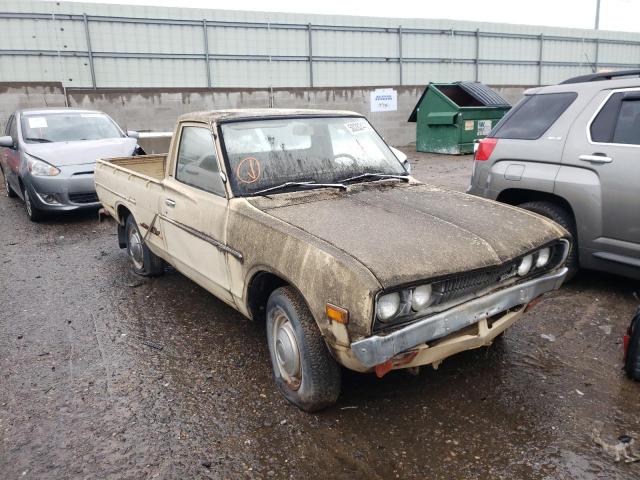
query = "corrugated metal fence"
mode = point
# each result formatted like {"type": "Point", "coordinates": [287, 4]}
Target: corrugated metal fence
{"type": "Point", "coordinates": [106, 46]}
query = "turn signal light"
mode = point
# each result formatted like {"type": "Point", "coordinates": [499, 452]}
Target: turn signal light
{"type": "Point", "coordinates": [485, 149]}
{"type": "Point", "coordinates": [337, 314]}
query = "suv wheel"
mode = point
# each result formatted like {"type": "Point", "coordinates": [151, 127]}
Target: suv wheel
{"type": "Point", "coordinates": [563, 218]}
{"type": "Point", "coordinates": [304, 371]}
{"type": "Point", "coordinates": [143, 261]}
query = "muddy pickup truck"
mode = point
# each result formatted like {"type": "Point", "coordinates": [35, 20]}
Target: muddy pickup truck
{"type": "Point", "coordinates": [308, 221]}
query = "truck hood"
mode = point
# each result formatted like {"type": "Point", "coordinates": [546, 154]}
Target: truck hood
{"type": "Point", "coordinates": [409, 232]}
{"type": "Point", "coordinates": [62, 154]}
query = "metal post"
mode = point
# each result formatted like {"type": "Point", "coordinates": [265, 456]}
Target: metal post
{"type": "Point", "coordinates": [540, 57]}
{"type": "Point", "coordinates": [89, 50]}
{"type": "Point", "coordinates": [477, 55]}
{"type": "Point", "coordinates": [597, 14]}
{"type": "Point", "coordinates": [206, 50]}
{"type": "Point", "coordinates": [400, 53]}
{"type": "Point", "coordinates": [310, 54]}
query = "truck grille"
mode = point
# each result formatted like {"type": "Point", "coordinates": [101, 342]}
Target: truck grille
{"type": "Point", "coordinates": [83, 197]}
{"type": "Point", "coordinates": [455, 287]}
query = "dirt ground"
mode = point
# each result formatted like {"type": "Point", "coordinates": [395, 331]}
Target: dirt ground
{"type": "Point", "coordinates": [107, 375]}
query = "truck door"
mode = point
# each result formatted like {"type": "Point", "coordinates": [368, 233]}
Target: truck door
{"type": "Point", "coordinates": [193, 210]}
{"type": "Point", "coordinates": [610, 147]}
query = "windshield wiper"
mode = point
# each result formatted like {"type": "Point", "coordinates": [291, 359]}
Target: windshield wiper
{"type": "Point", "coordinates": [375, 175]}
{"type": "Point", "coordinates": [310, 184]}
{"type": "Point", "coordinates": [41, 140]}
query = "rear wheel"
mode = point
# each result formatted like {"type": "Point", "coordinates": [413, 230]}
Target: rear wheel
{"type": "Point", "coordinates": [305, 372]}
{"type": "Point", "coordinates": [143, 261]}
{"type": "Point", "coordinates": [7, 187]}
{"type": "Point", "coordinates": [562, 217]}
{"type": "Point", "coordinates": [35, 214]}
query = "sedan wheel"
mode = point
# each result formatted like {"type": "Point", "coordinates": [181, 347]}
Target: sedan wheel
{"type": "Point", "coordinates": [33, 213]}
{"type": "Point", "coordinates": [287, 352]}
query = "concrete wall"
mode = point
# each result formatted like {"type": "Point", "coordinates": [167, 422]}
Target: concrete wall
{"type": "Point", "coordinates": [157, 109]}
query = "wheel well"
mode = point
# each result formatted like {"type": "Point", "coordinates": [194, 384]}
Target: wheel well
{"type": "Point", "coordinates": [123, 212]}
{"type": "Point", "coordinates": [261, 286]}
{"type": "Point", "coordinates": [517, 196]}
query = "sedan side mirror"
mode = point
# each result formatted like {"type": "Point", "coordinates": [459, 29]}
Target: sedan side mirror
{"type": "Point", "coordinates": [133, 134]}
{"type": "Point", "coordinates": [6, 141]}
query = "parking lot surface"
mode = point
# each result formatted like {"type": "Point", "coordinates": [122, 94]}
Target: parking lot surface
{"type": "Point", "coordinates": [108, 375]}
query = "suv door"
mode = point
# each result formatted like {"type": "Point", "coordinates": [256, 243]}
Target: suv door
{"type": "Point", "coordinates": [609, 146]}
{"type": "Point", "coordinates": [193, 210]}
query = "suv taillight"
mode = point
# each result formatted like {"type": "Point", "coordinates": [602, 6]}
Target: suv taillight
{"type": "Point", "coordinates": [485, 149]}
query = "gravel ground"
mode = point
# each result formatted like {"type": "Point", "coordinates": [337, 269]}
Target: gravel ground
{"type": "Point", "coordinates": [108, 375]}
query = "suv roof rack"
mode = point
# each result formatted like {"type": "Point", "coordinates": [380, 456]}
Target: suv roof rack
{"type": "Point", "coordinates": [596, 77]}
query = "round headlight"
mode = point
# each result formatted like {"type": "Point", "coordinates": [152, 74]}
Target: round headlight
{"type": "Point", "coordinates": [421, 297]}
{"type": "Point", "coordinates": [525, 265]}
{"type": "Point", "coordinates": [388, 306]}
{"type": "Point", "coordinates": [543, 257]}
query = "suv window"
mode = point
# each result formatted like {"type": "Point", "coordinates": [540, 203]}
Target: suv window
{"type": "Point", "coordinates": [197, 163]}
{"type": "Point", "coordinates": [533, 116]}
{"type": "Point", "coordinates": [619, 120]}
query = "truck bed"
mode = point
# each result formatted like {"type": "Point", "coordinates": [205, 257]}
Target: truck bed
{"type": "Point", "coordinates": [152, 166]}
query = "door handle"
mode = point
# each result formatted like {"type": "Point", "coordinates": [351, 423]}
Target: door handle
{"type": "Point", "coordinates": [169, 203]}
{"type": "Point", "coordinates": [596, 158]}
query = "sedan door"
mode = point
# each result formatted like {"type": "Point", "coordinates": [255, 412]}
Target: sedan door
{"type": "Point", "coordinates": [11, 156]}
{"type": "Point", "coordinates": [610, 148]}
{"type": "Point", "coordinates": [193, 211]}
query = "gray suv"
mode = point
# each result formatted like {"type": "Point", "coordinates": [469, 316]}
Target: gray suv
{"type": "Point", "coordinates": [571, 152]}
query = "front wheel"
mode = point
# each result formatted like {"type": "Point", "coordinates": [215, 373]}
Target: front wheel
{"type": "Point", "coordinates": [35, 214]}
{"type": "Point", "coordinates": [143, 261]}
{"type": "Point", "coordinates": [304, 371]}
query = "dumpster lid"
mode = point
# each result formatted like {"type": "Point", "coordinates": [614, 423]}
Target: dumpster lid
{"type": "Point", "coordinates": [459, 93]}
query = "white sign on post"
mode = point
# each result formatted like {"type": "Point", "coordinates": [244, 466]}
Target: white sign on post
{"type": "Point", "coordinates": [384, 100]}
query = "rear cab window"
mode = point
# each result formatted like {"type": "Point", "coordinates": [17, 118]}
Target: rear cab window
{"type": "Point", "coordinates": [533, 116]}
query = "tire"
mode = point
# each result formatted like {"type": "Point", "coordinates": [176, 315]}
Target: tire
{"type": "Point", "coordinates": [34, 214]}
{"type": "Point", "coordinates": [632, 360]}
{"type": "Point", "coordinates": [7, 187]}
{"type": "Point", "coordinates": [143, 261]}
{"type": "Point", "coordinates": [563, 218]}
{"type": "Point", "coordinates": [304, 371]}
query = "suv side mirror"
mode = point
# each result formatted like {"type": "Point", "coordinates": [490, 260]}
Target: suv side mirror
{"type": "Point", "coordinates": [133, 134]}
{"type": "Point", "coordinates": [7, 141]}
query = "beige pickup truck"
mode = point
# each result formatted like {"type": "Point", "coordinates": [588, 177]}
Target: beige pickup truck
{"type": "Point", "coordinates": [307, 220]}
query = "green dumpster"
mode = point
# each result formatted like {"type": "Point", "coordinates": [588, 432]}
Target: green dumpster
{"type": "Point", "coordinates": [451, 116]}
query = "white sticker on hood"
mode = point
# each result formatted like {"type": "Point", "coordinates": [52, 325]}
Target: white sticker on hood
{"type": "Point", "coordinates": [37, 122]}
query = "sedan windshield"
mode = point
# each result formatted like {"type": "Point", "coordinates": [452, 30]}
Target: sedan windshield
{"type": "Point", "coordinates": [68, 127]}
{"type": "Point", "coordinates": [296, 153]}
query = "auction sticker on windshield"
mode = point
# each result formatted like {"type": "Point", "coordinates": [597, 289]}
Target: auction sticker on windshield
{"type": "Point", "coordinates": [358, 126]}
{"type": "Point", "coordinates": [37, 122]}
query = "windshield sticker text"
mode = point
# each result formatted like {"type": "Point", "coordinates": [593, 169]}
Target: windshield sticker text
{"type": "Point", "coordinates": [37, 122]}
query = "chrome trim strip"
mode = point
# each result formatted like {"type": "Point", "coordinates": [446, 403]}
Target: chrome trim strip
{"type": "Point", "coordinates": [378, 349]}
{"type": "Point", "coordinates": [205, 237]}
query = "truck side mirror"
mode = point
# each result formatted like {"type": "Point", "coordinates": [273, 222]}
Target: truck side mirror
{"type": "Point", "coordinates": [6, 141]}
{"type": "Point", "coordinates": [133, 134]}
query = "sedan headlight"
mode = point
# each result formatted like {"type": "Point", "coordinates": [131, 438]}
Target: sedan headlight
{"type": "Point", "coordinates": [525, 265]}
{"type": "Point", "coordinates": [41, 169]}
{"type": "Point", "coordinates": [421, 297]}
{"type": "Point", "coordinates": [388, 305]}
{"type": "Point", "coordinates": [543, 257]}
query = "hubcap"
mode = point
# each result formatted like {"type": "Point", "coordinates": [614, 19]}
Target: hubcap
{"type": "Point", "coordinates": [286, 350]}
{"type": "Point", "coordinates": [135, 248]}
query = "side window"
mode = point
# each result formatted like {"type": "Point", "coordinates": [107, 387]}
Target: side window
{"type": "Point", "coordinates": [197, 163]}
{"type": "Point", "coordinates": [619, 120]}
{"type": "Point", "coordinates": [628, 125]}
{"type": "Point", "coordinates": [533, 116]}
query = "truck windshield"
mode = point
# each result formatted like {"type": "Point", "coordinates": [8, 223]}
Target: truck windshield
{"type": "Point", "coordinates": [267, 153]}
{"type": "Point", "coordinates": [68, 127]}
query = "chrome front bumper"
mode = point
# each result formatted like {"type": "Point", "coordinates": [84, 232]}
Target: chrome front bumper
{"type": "Point", "coordinates": [378, 349]}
